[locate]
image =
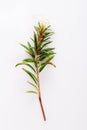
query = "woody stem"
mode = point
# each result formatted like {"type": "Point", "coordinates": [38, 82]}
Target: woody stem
{"type": "Point", "coordinates": [39, 92]}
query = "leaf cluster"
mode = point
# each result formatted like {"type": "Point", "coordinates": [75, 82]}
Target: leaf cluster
{"type": "Point", "coordinates": [40, 54]}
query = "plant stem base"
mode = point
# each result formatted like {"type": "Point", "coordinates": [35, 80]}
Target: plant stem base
{"type": "Point", "coordinates": [42, 109]}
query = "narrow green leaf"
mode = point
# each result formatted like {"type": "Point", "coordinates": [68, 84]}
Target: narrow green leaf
{"type": "Point", "coordinates": [24, 46]}
{"type": "Point", "coordinates": [31, 49]}
{"type": "Point", "coordinates": [28, 60]}
{"type": "Point", "coordinates": [17, 64]}
{"type": "Point", "coordinates": [42, 67]}
{"type": "Point", "coordinates": [44, 45]}
{"type": "Point", "coordinates": [31, 75]}
{"type": "Point", "coordinates": [32, 39]}
{"type": "Point", "coordinates": [45, 39]}
{"type": "Point", "coordinates": [35, 41]}
{"type": "Point", "coordinates": [39, 24]}
{"type": "Point", "coordinates": [30, 67]}
{"type": "Point", "coordinates": [52, 64]}
{"type": "Point", "coordinates": [33, 85]}
{"type": "Point", "coordinates": [47, 28]}
{"type": "Point", "coordinates": [32, 92]}
{"type": "Point", "coordinates": [36, 28]}
{"type": "Point", "coordinates": [50, 58]}
{"type": "Point", "coordinates": [46, 55]}
{"type": "Point", "coordinates": [29, 53]}
{"type": "Point", "coordinates": [26, 65]}
{"type": "Point", "coordinates": [48, 34]}
{"type": "Point", "coordinates": [27, 49]}
{"type": "Point", "coordinates": [46, 50]}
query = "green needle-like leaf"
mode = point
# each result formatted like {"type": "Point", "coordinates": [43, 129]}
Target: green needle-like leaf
{"type": "Point", "coordinates": [31, 49]}
{"type": "Point", "coordinates": [32, 92]}
{"type": "Point", "coordinates": [47, 28]}
{"type": "Point", "coordinates": [43, 65]}
{"type": "Point", "coordinates": [28, 60]}
{"type": "Point", "coordinates": [35, 41]}
{"type": "Point", "coordinates": [44, 45]}
{"type": "Point", "coordinates": [46, 55]}
{"type": "Point", "coordinates": [36, 28]}
{"type": "Point", "coordinates": [33, 85]}
{"type": "Point", "coordinates": [31, 75]}
{"type": "Point", "coordinates": [52, 64]}
{"type": "Point", "coordinates": [24, 46]}
{"type": "Point", "coordinates": [49, 59]}
{"type": "Point", "coordinates": [46, 39]}
{"type": "Point", "coordinates": [26, 65]}
{"type": "Point", "coordinates": [28, 50]}
{"type": "Point", "coordinates": [47, 50]}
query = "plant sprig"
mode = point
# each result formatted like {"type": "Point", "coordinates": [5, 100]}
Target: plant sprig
{"type": "Point", "coordinates": [40, 55]}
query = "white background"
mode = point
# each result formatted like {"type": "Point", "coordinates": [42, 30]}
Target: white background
{"type": "Point", "coordinates": [64, 89]}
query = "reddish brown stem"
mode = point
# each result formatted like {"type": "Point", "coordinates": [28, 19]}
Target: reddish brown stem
{"type": "Point", "coordinates": [42, 109]}
{"type": "Point", "coordinates": [39, 38]}
{"type": "Point", "coordinates": [39, 92]}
